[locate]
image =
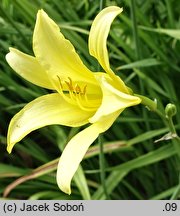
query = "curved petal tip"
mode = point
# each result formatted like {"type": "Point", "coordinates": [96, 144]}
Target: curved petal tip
{"type": "Point", "coordinates": [98, 35]}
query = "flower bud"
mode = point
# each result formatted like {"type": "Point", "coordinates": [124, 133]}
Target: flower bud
{"type": "Point", "coordinates": [170, 110]}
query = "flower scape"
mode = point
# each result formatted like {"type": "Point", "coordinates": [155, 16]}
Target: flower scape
{"type": "Point", "coordinates": [79, 96]}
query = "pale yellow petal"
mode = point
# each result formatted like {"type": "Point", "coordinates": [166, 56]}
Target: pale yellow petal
{"type": "Point", "coordinates": [99, 33]}
{"type": "Point", "coordinates": [76, 149]}
{"type": "Point", "coordinates": [113, 100]}
{"type": "Point", "coordinates": [28, 67]}
{"type": "Point", "coordinates": [72, 156]}
{"type": "Point", "coordinates": [56, 54]}
{"type": "Point", "coordinates": [46, 110]}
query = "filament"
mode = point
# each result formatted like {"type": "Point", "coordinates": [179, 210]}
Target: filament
{"type": "Point", "coordinates": [76, 95]}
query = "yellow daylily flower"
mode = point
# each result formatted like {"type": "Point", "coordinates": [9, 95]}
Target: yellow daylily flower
{"type": "Point", "coordinates": [81, 96]}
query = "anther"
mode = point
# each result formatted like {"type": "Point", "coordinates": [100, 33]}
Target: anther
{"type": "Point", "coordinates": [70, 84]}
{"type": "Point", "coordinates": [76, 95]}
{"type": "Point", "coordinates": [77, 89]}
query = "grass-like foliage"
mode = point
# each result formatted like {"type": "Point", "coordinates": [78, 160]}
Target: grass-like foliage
{"type": "Point", "coordinates": [139, 156]}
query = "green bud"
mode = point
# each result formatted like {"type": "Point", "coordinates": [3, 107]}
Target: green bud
{"type": "Point", "coordinates": [170, 110]}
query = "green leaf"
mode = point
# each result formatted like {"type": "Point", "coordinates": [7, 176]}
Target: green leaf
{"type": "Point", "coordinates": [141, 63]}
{"type": "Point", "coordinates": [81, 183]}
{"type": "Point", "coordinates": [122, 170]}
{"type": "Point", "coordinates": [11, 171]}
{"type": "Point", "coordinates": [175, 33]}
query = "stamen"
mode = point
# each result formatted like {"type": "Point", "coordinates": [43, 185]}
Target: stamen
{"type": "Point", "coordinates": [60, 91]}
{"type": "Point", "coordinates": [60, 83]}
{"type": "Point", "coordinates": [84, 90]}
{"type": "Point", "coordinates": [96, 103]}
{"type": "Point", "coordinates": [79, 102]}
{"type": "Point", "coordinates": [77, 89]}
{"type": "Point", "coordinates": [72, 95]}
{"type": "Point", "coordinates": [76, 95]}
{"type": "Point", "coordinates": [70, 84]}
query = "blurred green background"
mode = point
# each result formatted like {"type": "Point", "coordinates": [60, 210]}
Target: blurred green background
{"type": "Point", "coordinates": [144, 50]}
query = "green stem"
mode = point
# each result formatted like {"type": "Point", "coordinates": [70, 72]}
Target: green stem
{"type": "Point", "coordinates": [176, 193]}
{"type": "Point", "coordinates": [171, 125]}
{"type": "Point", "coordinates": [176, 143]}
{"type": "Point", "coordinates": [163, 117]}
{"type": "Point", "coordinates": [138, 54]}
{"type": "Point", "coordinates": [170, 14]}
{"type": "Point", "coordinates": [102, 167]}
{"type": "Point", "coordinates": [150, 104]}
{"type": "Point", "coordinates": [102, 4]}
{"type": "Point", "coordinates": [135, 29]}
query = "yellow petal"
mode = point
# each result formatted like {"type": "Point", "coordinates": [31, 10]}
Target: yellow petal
{"type": "Point", "coordinates": [99, 33]}
{"type": "Point", "coordinates": [113, 100]}
{"type": "Point", "coordinates": [72, 156]}
{"type": "Point", "coordinates": [46, 110]}
{"type": "Point", "coordinates": [28, 67]}
{"type": "Point", "coordinates": [56, 54]}
{"type": "Point", "coordinates": [76, 149]}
